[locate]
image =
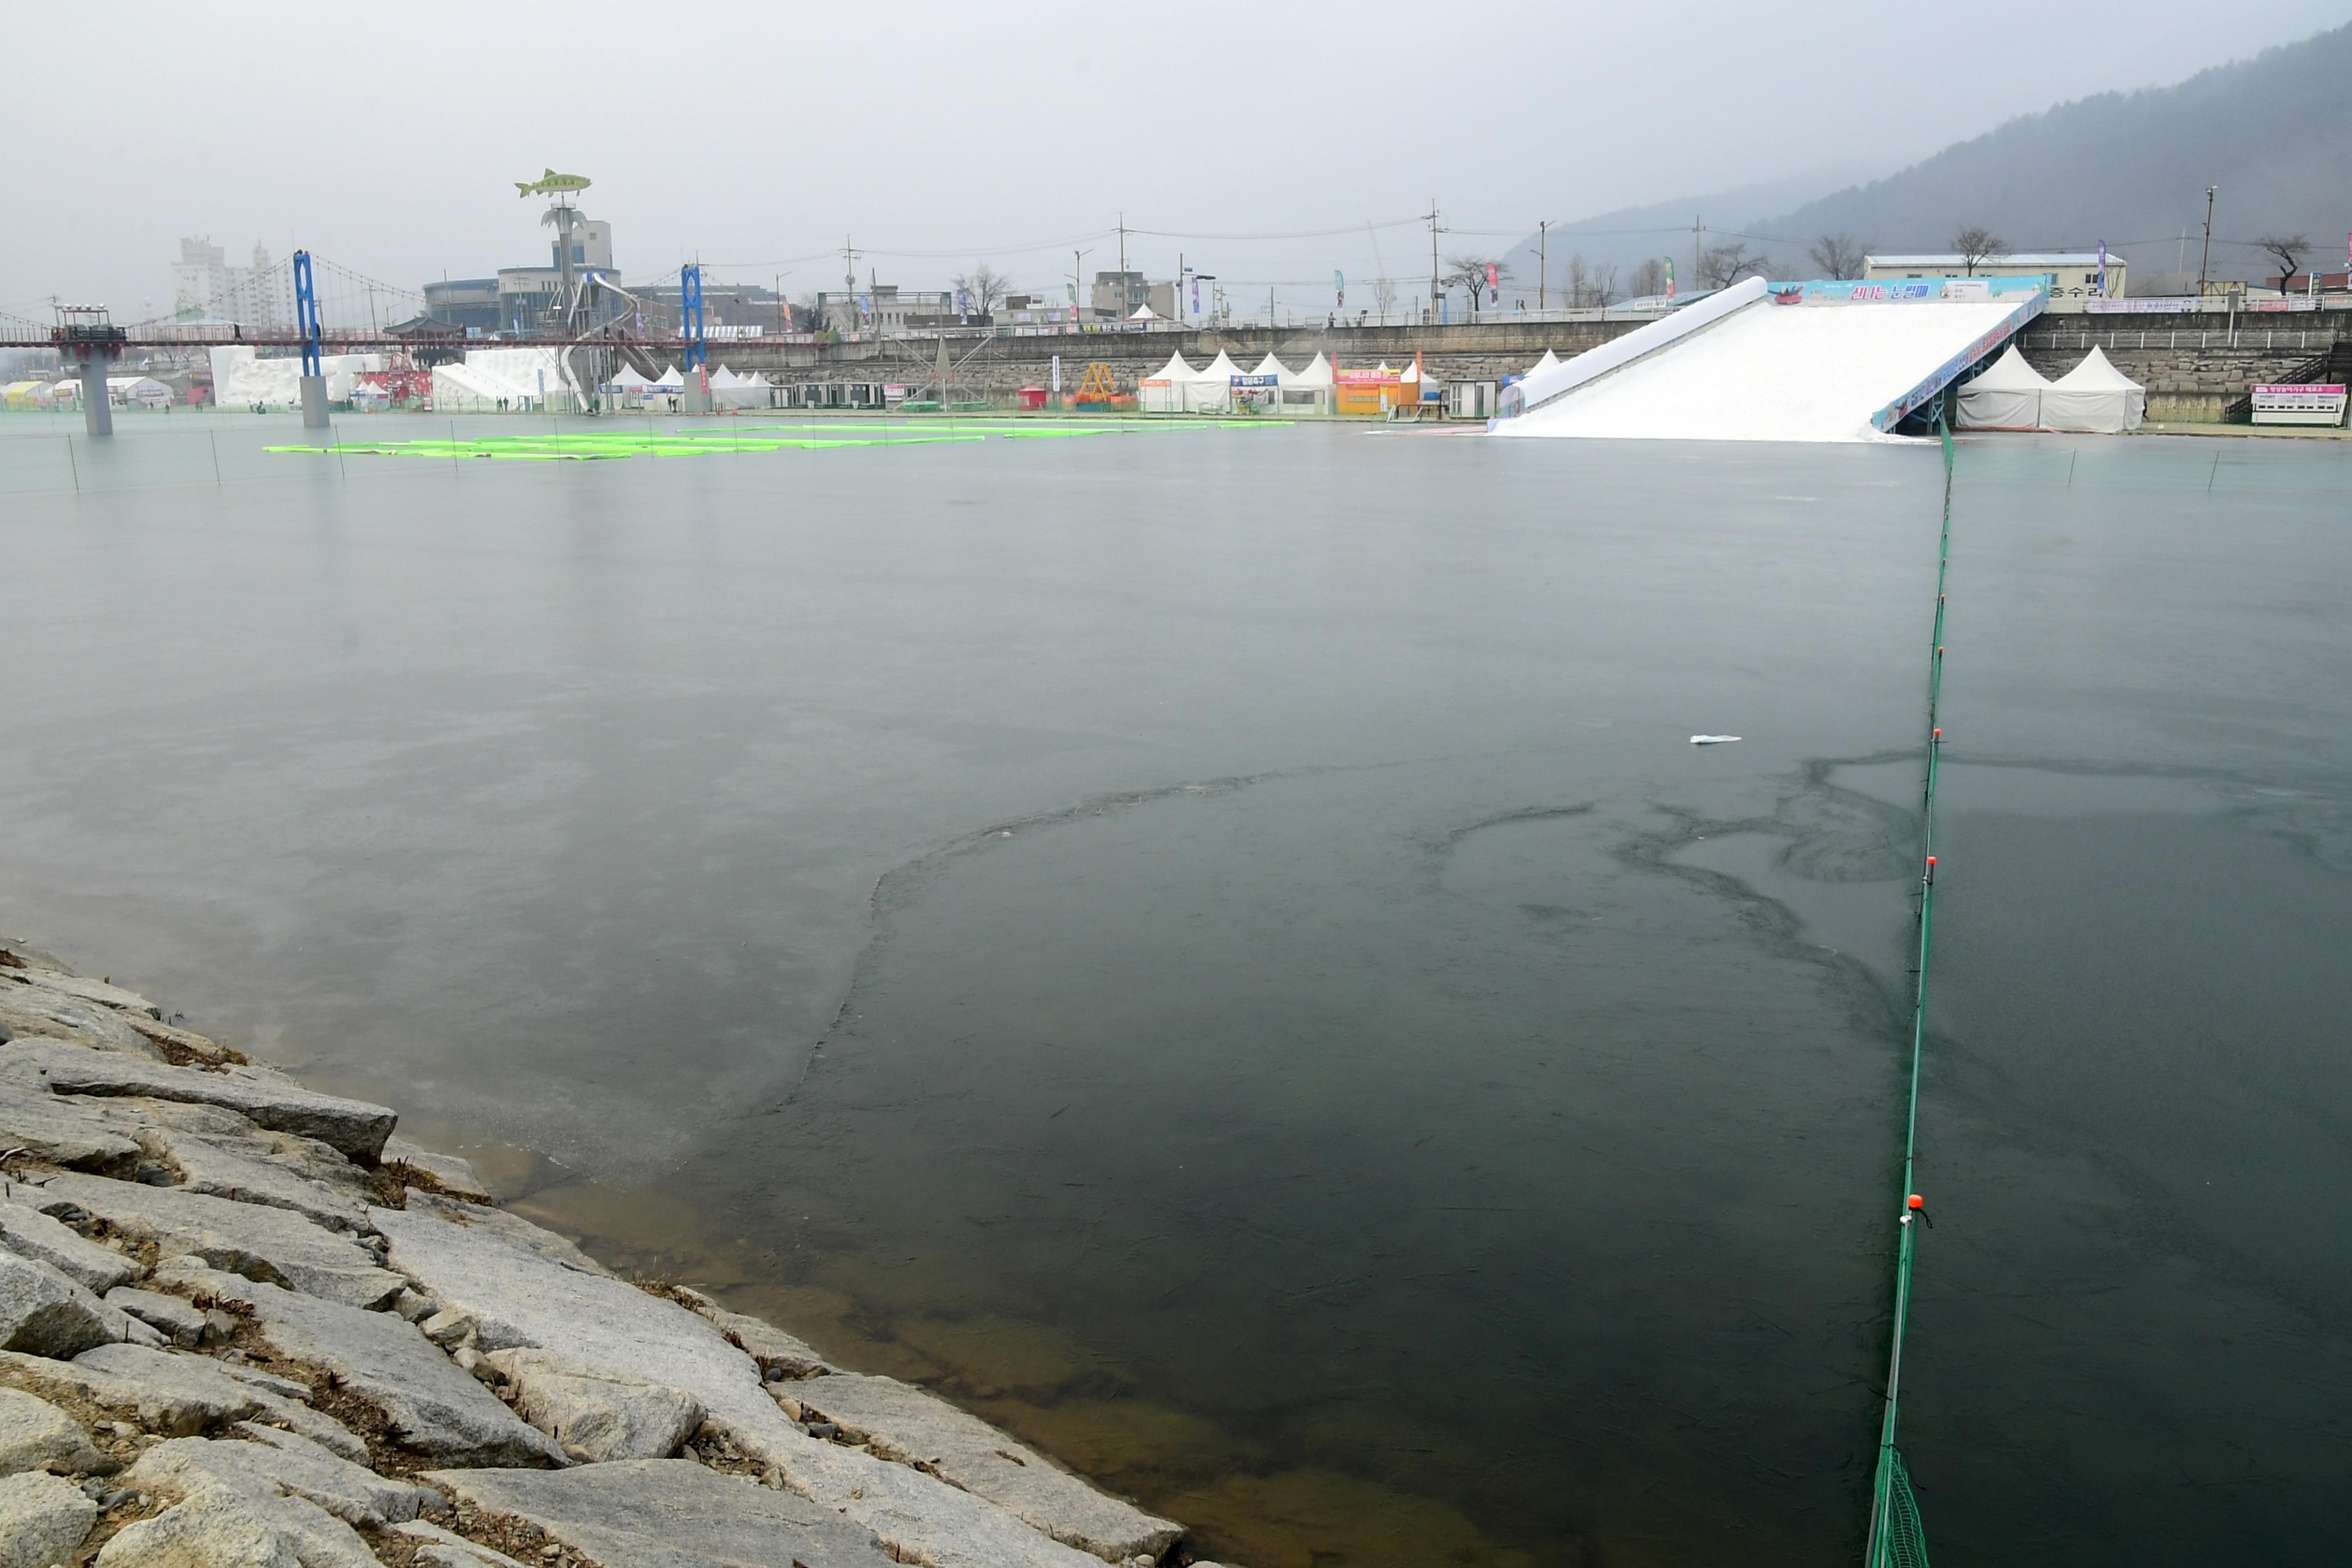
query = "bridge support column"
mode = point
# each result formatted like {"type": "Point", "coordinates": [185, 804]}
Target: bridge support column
{"type": "Point", "coordinates": [97, 407]}
{"type": "Point", "coordinates": [314, 401]}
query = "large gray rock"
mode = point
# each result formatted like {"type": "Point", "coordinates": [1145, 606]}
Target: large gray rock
{"type": "Point", "coordinates": [29, 1233]}
{"type": "Point", "coordinates": [597, 1418]}
{"type": "Point", "coordinates": [34, 1432]}
{"type": "Point", "coordinates": [919, 1517]}
{"type": "Point", "coordinates": [203, 1047]}
{"type": "Point", "coordinates": [217, 1528]}
{"type": "Point", "coordinates": [668, 1513]}
{"type": "Point", "coordinates": [175, 1319]}
{"type": "Point", "coordinates": [516, 1232]}
{"type": "Point", "coordinates": [519, 1298]}
{"type": "Point", "coordinates": [267, 1244]}
{"type": "Point", "coordinates": [266, 1462]}
{"type": "Point", "coordinates": [456, 1178]}
{"type": "Point", "coordinates": [43, 1520]}
{"type": "Point", "coordinates": [42, 1312]}
{"type": "Point", "coordinates": [240, 1171]}
{"type": "Point", "coordinates": [79, 986]}
{"type": "Point", "coordinates": [780, 1354]}
{"type": "Point", "coordinates": [80, 1135]}
{"type": "Point", "coordinates": [28, 1012]}
{"type": "Point", "coordinates": [431, 1405]}
{"type": "Point", "coordinates": [904, 1422]}
{"type": "Point", "coordinates": [178, 1393]}
{"type": "Point", "coordinates": [354, 1127]}
{"type": "Point", "coordinates": [225, 1527]}
{"type": "Point", "coordinates": [305, 1157]}
{"type": "Point", "coordinates": [439, 1548]}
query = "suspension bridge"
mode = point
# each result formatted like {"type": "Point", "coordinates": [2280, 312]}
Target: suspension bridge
{"type": "Point", "coordinates": [315, 308]}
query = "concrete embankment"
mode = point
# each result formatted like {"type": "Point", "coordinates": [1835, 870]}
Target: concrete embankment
{"type": "Point", "coordinates": [246, 1325]}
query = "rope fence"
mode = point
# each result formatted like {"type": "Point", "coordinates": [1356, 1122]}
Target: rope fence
{"type": "Point", "coordinates": [1896, 1537]}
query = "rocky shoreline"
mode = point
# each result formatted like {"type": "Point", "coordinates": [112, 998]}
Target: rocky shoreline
{"type": "Point", "coordinates": [246, 1325]}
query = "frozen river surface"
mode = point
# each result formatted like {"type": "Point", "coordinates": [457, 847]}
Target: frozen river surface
{"type": "Point", "coordinates": [1216, 948]}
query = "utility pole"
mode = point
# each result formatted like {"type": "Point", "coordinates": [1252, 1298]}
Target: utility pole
{"type": "Point", "coordinates": [1125, 300]}
{"type": "Point", "coordinates": [1699, 259]}
{"type": "Point", "coordinates": [1432, 258]}
{"type": "Point", "coordinates": [1077, 267]}
{"type": "Point", "coordinates": [1543, 260]}
{"type": "Point", "coordinates": [1179, 288]}
{"type": "Point", "coordinates": [2205, 262]}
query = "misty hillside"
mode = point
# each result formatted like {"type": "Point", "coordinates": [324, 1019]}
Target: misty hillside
{"type": "Point", "coordinates": [1625, 238]}
{"type": "Point", "coordinates": [2274, 133]}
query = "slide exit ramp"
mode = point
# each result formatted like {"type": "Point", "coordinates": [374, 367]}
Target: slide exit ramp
{"type": "Point", "coordinates": [1778, 361]}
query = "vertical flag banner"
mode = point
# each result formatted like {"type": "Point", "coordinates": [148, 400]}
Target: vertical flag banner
{"type": "Point", "coordinates": [1670, 279]}
{"type": "Point", "coordinates": [1339, 288]}
{"type": "Point", "coordinates": [1494, 284]}
{"type": "Point", "coordinates": [2103, 267]}
{"type": "Point", "coordinates": [1196, 296]}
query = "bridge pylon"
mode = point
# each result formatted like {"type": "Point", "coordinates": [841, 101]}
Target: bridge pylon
{"type": "Point", "coordinates": [87, 335]}
{"type": "Point", "coordinates": [313, 381]}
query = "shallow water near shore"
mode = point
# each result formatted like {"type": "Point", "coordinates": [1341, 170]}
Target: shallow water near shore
{"type": "Point", "coordinates": [1218, 954]}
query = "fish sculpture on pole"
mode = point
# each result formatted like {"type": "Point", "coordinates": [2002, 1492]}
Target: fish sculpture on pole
{"type": "Point", "coordinates": [551, 184]}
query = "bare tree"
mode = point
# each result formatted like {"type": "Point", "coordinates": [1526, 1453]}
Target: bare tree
{"type": "Point", "coordinates": [1469, 273]}
{"type": "Point", "coordinates": [2289, 249]}
{"type": "Point", "coordinates": [1721, 266]}
{"type": "Point", "coordinates": [984, 288]}
{"type": "Point", "coordinates": [1839, 255]}
{"type": "Point", "coordinates": [1648, 279]}
{"type": "Point", "coordinates": [1384, 295]}
{"type": "Point", "coordinates": [1579, 283]}
{"type": "Point", "coordinates": [1977, 245]}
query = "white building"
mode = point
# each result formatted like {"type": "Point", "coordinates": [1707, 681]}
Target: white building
{"type": "Point", "coordinates": [2074, 275]}
{"type": "Point", "coordinates": [206, 288]}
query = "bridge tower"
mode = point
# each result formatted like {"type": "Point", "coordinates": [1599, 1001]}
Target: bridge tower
{"type": "Point", "coordinates": [87, 335]}
{"type": "Point", "coordinates": [696, 369]}
{"type": "Point", "coordinates": [306, 320]}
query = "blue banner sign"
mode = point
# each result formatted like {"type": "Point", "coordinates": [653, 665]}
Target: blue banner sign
{"type": "Point", "coordinates": [1257, 380]}
{"type": "Point", "coordinates": [1891, 290]}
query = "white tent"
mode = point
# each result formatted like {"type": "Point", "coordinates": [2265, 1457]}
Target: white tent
{"type": "Point", "coordinates": [137, 392]}
{"type": "Point", "coordinates": [1317, 373]}
{"type": "Point", "coordinates": [1162, 391]}
{"type": "Point", "coordinates": [495, 379]}
{"type": "Point", "coordinates": [1145, 313]}
{"type": "Point", "coordinates": [1211, 391]}
{"type": "Point", "coordinates": [1549, 359]}
{"type": "Point", "coordinates": [2008, 396]}
{"type": "Point", "coordinates": [2095, 396]}
{"type": "Point", "coordinates": [1282, 374]}
{"type": "Point", "coordinates": [730, 390]}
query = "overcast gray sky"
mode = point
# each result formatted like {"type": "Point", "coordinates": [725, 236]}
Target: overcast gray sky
{"type": "Point", "coordinates": [387, 137]}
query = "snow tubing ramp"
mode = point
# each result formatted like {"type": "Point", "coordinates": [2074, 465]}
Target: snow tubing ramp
{"type": "Point", "coordinates": [1793, 361]}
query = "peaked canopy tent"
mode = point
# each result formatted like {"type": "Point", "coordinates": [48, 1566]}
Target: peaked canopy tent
{"type": "Point", "coordinates": [1549, 359]}
{"type": "Point", "coordinates": [1211, 390]}
{"type": "Point", "coordinates": [2094, 397]}
{"type": "Point", "coordinates": [2008, 396]}
{"type": "Point", "coordinates": [1284, 375]}
{"type": "Point", "coordinates": [731, 389]}
{"type": "Point", "coordinates": [1317, 373]}
{"type": "Point", "coordinates": [1162, 391]}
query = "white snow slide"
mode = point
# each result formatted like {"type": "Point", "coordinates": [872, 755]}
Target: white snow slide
{"type": "Point", "coordinates": [1767, 371]}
